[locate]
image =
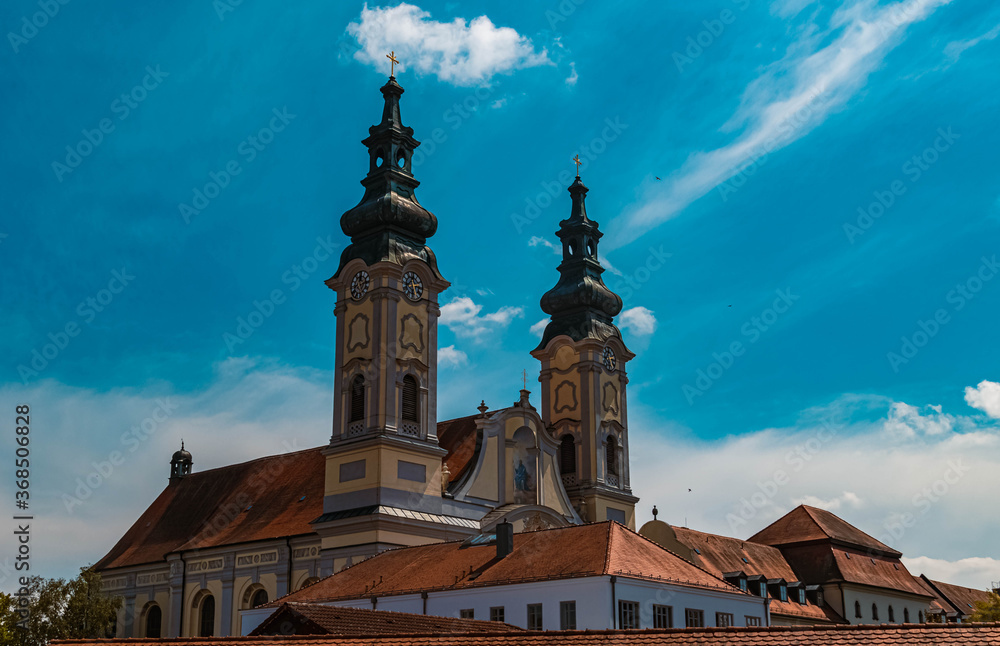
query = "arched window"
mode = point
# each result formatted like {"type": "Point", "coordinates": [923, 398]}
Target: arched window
{"type": "Point", "coordinates": [154, 622]}
{"type": "Point", "coordinates": [892, 615]}
{"type": "Point", "coordinates": [206, 617]}
{"type": "Point", "coordinates": [411, 399]}
{"type": "Point", "coordinates": [906, 615]}
{"type": "Point", "coordinates": [358, 399]}
{"type": "Point", "coordinates": [875, 612]}
{"type": "Point", "coordinates": [857, 610]}
{"type": "Point", "coordinates": [567, 454]}
{"type": "Point", "coordinates": [612, 455]}
{"type": "Point", "coordinates": [308, 582]}
{"type": "Point", "coordinates": [920, 616]}
{"type": "Point", "coordinates": [259, 598]}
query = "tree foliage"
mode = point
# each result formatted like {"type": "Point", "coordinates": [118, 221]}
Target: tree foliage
{"type": "Point", "coordinates": [57, 609]}
{"type": "Point", "coordinates": [987, 610]}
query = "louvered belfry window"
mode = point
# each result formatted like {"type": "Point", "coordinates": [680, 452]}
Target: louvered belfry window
{"type": "Point", "coordinates": [411, 399]}
{"type": "Point", "coordinates": [612, 456]}
{"type": "Point", "coordinates": [567, 454]}
{"type": "Point", "coordinates": [358, 399]}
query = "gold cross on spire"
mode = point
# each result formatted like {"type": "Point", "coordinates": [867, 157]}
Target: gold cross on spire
{"type": "Point", "coordinates": [392, 62]}
{"type": "Point", "coordinates": [576, 160]}
{"type": "Point", "coordinates": [524, 378]}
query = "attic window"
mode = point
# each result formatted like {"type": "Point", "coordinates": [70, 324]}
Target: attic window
{"type": "Point", "coordinates": [873, 561]}
{"type": "Point", "coordinates": [249, 507]}
{"type": "Point", "coordinates": [745, 560]}
{"type": "Point", "coordinates": [847, 555]}
{"type": "Point", "coordinates": [697, 551]}
{"type": "Point", "coordinates": [302, 498]}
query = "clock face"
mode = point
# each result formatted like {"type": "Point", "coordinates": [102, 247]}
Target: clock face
{"type": "Point", "coordinates": [413, 287]}
{"type": "Point", "coordinates": [359, 286]}
{"type": "Point", "coordinates": [610, 361]}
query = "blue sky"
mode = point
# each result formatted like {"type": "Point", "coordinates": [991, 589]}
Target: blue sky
{"type": "Point", "coordinates": [737, 153]}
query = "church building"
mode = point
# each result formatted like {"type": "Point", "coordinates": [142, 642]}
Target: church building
{"type": "Point", "coordinates": [228, 539]}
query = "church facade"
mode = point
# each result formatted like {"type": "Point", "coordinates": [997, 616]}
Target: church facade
{"type": "Point", "coordinates": [221, 541]}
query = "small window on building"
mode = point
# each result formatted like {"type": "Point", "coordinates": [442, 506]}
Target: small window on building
{"type": "Point", "coordinates": [496, 613]}
{"type": "Point", "coordinates": [906, 615]}
{"type": "Point", "coordinates": [783, 592]}
{"type": "Point", "coordinates": [875, 612]}
{"type": "Point", "coordinates": [723, 619]}
{"type": "Point", "coordinates": [154, 622]}
{"type": "Point", "coordinates": [567, 454]}
{"type": "Point", "coordinates": [628, 615]}
{"type": "Point", "coordinates": [206, 625]}
{"type": "Point", "coordinates": [743, 583]}
{"type": "Point", "coordinates": [752, 621]}
{"type": "Point", "coordinates": [611, 452]}
{"type": "Point", "coordinates": [467, 613]}
{"type": "Point", "coordinates": [411, 399]}
{"type": "Point", "coordinates": [694, 618]}
{"type": "Point", "coordinates": [762, 590]}
{"type": "Point", "coordinates": [892, 615]}
{"type": "Point", "coordinates": [857, 610]}
{"type": "Point", "coordinates": [567, 615]}
{"type": "Point", "coordinates": [920, 616]}
{"type": "Point", "coordinates": [802, 596]}
{"type": "Point", "coordinates": [534, 616]}
{"type": "Point", "coordinates": [259, 598]}
{"type": "Point", "coordinates": [358, 399]}
{"type": "Point", "coordinates": [663, 616]}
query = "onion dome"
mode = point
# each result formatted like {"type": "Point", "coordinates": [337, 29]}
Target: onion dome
{"type": "Point", "coordinates": [389, 224]}
{"type": "Point", "coordinates": [180, 463]}
{"type": "Point", "coordinates": [581, 305]}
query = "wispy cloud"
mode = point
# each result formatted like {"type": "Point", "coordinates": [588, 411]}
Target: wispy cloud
{"type": "Point", "coordinates": [791, 98]}
{"type": "Point", "coordinates": [638, 320]}
{"type": "Point", "coordinates": [462, 316]}
{"type": "Point", "coordinates": [539, 328]}
{"type": "Point", "coordinates": [955, 49]}
{"type": "Point", "coordinates": [538, 241]}
{"type": "Point", "coordinates": [449, 356]}
{"type": "Point", "coordinates": [459, 52]}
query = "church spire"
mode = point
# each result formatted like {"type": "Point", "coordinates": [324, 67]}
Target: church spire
{"type": "Point", "coordinates": [581, 305]}
{"type": "Point", "coordinates": [389, 224]}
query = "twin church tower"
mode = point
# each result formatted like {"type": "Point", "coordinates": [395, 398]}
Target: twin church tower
{"type": "Point", "coordinates": [565, 462]}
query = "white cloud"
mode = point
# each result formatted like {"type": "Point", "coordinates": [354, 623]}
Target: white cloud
{"type": "Point", "coordinates": [638, 320]}
{"type": "Point", "coordinates": [539, 328]}
{"type": "Point", "coordinates": [499, 103]}
{"type": "Point", "coordinates": [536, 241]}
{"type": "Point", "coordinates": [976, 572]}
{"type": "Point", "coordinates": [833, 504]}
{"type": "Point", "coordinates": [985, 397]}
{"type": "Point", "coordinates": [955, 49]}
{"type": "Point", "coordinates": [459, 52]}
{"type": "Point", "coordinates": [450, 356]}
{"type": "Point", "coordinates": [462, 316]}
{"type": "Point", "coordinates": [573, 76]}
{"type": "Point", "coordinates": [607, 265]}
{"type": "Point", "coordinates": [791, 98]}
{"type": "Point", "coordinates": [906, 422]}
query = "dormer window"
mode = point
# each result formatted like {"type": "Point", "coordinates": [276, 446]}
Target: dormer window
{"type": "Point", "coordinates": [802, 596]}
{"type": "Point", "coordinates": [758, 585]}
{"type": "Point", "coordinates": [739, 579]}
{"type": "Point", "coordinates": [778, 589]}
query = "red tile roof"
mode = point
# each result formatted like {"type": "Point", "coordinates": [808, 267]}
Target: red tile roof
{"type": "Point", "coordinates": [805, 524]}
{"type": "Point", "coordinates": [862, 568]}
{"type": "Point", "coordinates": [960, 599]}
{"type": "Point", "coordinates": [722, 554]}
{"type": "Point", "coordinates": [565, 552]}
{"type": "Point", "coordinates": [864, 635]}
{"type": "Point", "coordinates": [252, 501]}
{"type": "Point", "coordinates": [313, 619]}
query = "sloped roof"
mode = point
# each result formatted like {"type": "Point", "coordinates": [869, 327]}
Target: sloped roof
{"type": "Point", "coordinates": [862, 635]}
{"type": "Point", "coordinates": [558, 553]}
{"type": "Point", "coordinates": [253, 501]}
{"type": "Point", "coordinates": [961, 599]}
{"type": "Point", "coordinates": [313, 619]}
{"type": "Point", "coordinates": [721, 554]}
{"type": "Point", "coordinates": [860, 567]}
{"type": "Point", "coordinates": [805, 524]}
{"type": "Point", "coordinates": [267, 498]}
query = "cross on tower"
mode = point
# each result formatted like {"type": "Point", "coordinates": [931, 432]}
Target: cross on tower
{"type": "Point", "coordinates": [576, 160]}
{"type": "Point", "coordinates": [524, 378]}
{"type": "Point", "coordinates": [392, 62]}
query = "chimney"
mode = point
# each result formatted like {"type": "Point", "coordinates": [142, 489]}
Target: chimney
{"type": "Point", "coordinates": [505, 539]}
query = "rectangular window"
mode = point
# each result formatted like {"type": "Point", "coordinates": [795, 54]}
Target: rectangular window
{"type": "Point", "coordinates": [467, 613]}
{"type": "Point", "coordinates": [567, 615]}
{"type": "Point", "coordinates": [496, 614]}
{"type": "Point", "coordinates": [663, 617]}
{"type": "Point", "coordinates": [752, 621]}
{"type": "Point", "coordinates": [411, 471]}
{"type": "Point", "coordinates": [694, 618]}
{"type": "Point", "coordinates": [628, 615]}
{"type": "Point", "coordinates": [723, 619]}
{"type": "Point", "coordinates": [617, 515]}
{"type": "Point", "coordinates": [352, 470]}
{"type": "Point", "coordinates": [802, 596]}
{"type": "Point", "coordinates": [534, 616]}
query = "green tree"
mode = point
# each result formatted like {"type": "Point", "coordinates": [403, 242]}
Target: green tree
{"type": "Point", "coordinates": [58, 609]}
{"type": "Point", "coordinates": [988, 610]}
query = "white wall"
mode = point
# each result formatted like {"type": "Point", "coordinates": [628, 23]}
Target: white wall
{"type": "Point", "coordinates": [648, 593]}
{"type": "Point", "coordinates": [868, 596]}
